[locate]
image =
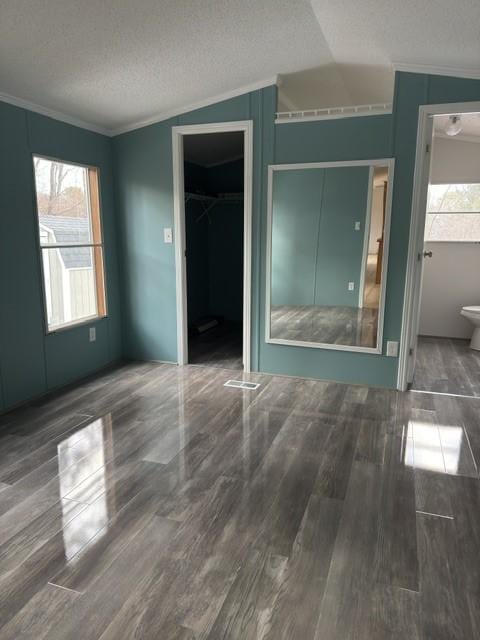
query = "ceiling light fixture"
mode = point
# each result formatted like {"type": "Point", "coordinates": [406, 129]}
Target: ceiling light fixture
{"type": "Point", "coordinates": [454, 126]}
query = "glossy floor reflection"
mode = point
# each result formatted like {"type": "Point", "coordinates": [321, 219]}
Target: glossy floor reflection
{"type": "Point", "coordinates": [153, 502]}
{"type": "Point", "coordinates": [439, 447]}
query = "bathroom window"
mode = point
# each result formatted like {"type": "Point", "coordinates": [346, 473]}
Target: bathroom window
{"type": "Point", "coordinates": [453, 213]}
{"type": "Point", "coordinates": [71, 245]}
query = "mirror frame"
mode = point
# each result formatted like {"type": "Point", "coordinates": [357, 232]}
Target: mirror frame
{"type": "Point", "coordinates": [381, 162]}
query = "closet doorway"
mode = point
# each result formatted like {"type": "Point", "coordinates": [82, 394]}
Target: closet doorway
{"type": "Point", "coordinates": [212, 199]}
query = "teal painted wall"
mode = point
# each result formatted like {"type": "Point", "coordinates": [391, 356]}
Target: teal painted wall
{"type": "Point", "coordinates": [144, 191]}
{"type": "Point", "coordinates": [361, 138]}
{"type": "Point", "coordinates": [145, 205]}
{"type": "Point", "coordinates": [297, 197]}
{"type": "Point", "coordinates": [340, 247]}
{"type": "Point", "coordinates": [32, 363]}
{"type": "Point", "coordinates": [315, 248]}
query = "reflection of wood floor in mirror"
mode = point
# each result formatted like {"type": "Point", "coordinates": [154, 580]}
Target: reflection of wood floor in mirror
{"type": "Point", "coordinates": [371, 296]}
{"type": "Point", "coordinates": [330, 325]}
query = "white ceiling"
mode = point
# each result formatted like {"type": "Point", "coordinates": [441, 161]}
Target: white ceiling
{"type": "Point", "coordinates": [115, 63]}
{"type": "Point", "coordinates": [470, 126]}
{"type": "Point", "coordinates": [366, 37]}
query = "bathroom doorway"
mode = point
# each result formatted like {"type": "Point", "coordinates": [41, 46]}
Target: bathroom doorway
{"type": "Point", "coordinates": [445, 351]}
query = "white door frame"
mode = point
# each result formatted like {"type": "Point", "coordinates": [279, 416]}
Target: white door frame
{"type": "Point", "coordinates": [180, 239]}
{"type": "Point", "coordinates": [413, 280]}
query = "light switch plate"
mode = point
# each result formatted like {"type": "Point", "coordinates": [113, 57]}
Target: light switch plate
{"type": "Point", "coordinates": [392, 349]}
{"type": "Point", "coordinates": [357, 226]}
{"type": "Point", "coordinates": [351, 286]}
{"type": "Point", "coordinates": [92, 334]}
{"type": "Point", "coordinates": [167, 235]}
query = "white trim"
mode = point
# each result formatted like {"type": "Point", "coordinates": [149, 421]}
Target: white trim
{"type": "Point", "coordinates": [137, 124]}
{"type": "Point", "coordinates": [382, 162]}
{"type": "Point", "coordinates": [277, 375]}
{"type": "Point", "coordinates": [180, 242]}
{"type": "Point", "coordinates": [366, 238]}
{"type": "Point", "coordinates": [435, 70]}
{"type": "Point", "coordinates": [444, 393]}
{"type": "Point", "coordinates": [417, 225]}
{"type": "Point", "coordinates": [333, 113]}
{"type": "Point", "coordinates": [388, 162]}
{"type": "Point", "coordinates": [51, 113]}
{"type": "Point", "coordinates": [177, 111]}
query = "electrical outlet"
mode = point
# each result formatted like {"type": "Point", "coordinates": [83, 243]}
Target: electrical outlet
{"type": "Point", "coordinates": [167, 236]}
{"type": "Point", "coordinates": [92, 334]}
{"type": "Point", "coordinates": [357, 226]}
{"type": "Point", "coordinates": [392, 349]}
{"type": "Point", "coordinates": [351, 286]}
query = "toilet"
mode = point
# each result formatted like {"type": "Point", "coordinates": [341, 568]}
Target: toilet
{"type": "Point", "coordinates": [473, 314]}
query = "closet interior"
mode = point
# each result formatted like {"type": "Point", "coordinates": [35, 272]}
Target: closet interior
{"type": "Point", "coordinates": [214, 228]}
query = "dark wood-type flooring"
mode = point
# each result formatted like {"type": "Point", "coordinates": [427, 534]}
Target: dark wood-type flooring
{"type": "Point", "coordinates": [218, 347]}
{"type": "Point", "coordinates": [350, 326]}
{"type": "Point", "coordinates": [447, 365]}
{"type": "Point", "coordinates": [153, 502]}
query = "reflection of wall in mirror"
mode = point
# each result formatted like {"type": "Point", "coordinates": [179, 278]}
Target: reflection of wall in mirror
{"type": "Point", "coordinates": [316, 250]}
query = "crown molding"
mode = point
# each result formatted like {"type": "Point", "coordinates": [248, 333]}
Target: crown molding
{"type": "Point", "coordinates": [160, 117]}
{"type": "Point", "coordinates": [434, 70]}
{"type": "Point", "coordinates": [51, 113]}
{"type": "Point", "coordinates": [166, 115]}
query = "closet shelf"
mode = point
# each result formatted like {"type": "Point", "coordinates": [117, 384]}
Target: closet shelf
{"type": "Point", "coordinates": [220, 197]}
{"type": "Point", "coordinates": [210, 201]}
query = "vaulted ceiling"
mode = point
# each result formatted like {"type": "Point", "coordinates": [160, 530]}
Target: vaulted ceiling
{"type": "Point", "coordinates": [113, 63]}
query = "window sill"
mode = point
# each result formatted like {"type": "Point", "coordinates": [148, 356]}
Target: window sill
{"type": "Point", "coordinates": [74, 325]}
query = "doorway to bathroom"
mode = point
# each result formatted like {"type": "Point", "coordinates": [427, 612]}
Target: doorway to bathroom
{"type": "Point", "coordinates": [445, 346]}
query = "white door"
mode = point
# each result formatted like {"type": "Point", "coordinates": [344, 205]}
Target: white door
{"type": "Point", "coordinates": [420, 253]}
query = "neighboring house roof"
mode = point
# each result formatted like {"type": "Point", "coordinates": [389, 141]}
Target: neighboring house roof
{"type": "Point", "coordinates": [65, 230]}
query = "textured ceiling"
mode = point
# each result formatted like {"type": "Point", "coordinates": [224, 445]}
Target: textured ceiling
{"type": "Point", "coordinates": [470, 123]}
{"type": "Point", "coordinates": [366, 37]}
{"type": "Point", "coordinates": [114, 63]}
{"type": "Point", "coordinates": [368, 32]}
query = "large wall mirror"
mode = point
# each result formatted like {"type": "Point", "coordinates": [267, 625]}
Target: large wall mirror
{"type": "Point", "coordinates": [327, 252]}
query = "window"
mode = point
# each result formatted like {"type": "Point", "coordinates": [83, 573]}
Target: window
{"type": "Point", "coordinates": [453, 213]}
{"type": "Point", "coordinates": [71, 245]}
